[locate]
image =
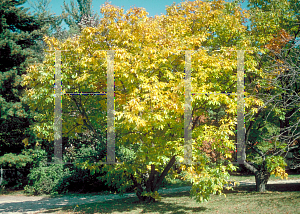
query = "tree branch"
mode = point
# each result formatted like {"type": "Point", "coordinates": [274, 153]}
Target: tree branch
{"type": "Point", "coordinates": [165, 172]}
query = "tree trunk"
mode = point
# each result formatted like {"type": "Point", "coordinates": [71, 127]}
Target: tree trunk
{"type": "Point", "coordinates": [153, 182]}
{"type": "Point", "coordinates": [139, 188]}
{"type": "Point", "coordinates": [261, 176]}
{"type": "Point", "coordinates": [261, 179]}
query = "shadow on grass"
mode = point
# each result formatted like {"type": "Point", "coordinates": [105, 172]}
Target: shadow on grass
{"type": "Point", "coordinates": [180, 202]}
{"type": "Point", "coordinates": [174, 204]}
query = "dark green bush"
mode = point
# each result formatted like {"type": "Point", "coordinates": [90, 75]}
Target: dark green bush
{"type": "Point", "coordinates": [82, 177]}
{"type": "Point", "coordinates": [47, 179]}
{"type": "Point", "coordinates": [51, 179]}
{"type": "Point", "coordinates": [16, 168]}
{"type": "Point", "coordinates": [54, 178]}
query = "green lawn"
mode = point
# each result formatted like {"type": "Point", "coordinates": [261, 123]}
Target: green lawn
{"type": "Point", "coordinates": [280, 198]}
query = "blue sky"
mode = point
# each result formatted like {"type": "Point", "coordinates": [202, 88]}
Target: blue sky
{"type": "Point", "coordinates": [153, 7]}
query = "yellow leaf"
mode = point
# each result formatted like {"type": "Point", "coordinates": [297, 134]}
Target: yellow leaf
{"type": "Point", "coordinates": [25, 141]}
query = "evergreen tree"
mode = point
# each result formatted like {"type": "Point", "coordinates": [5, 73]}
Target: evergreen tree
{"type": "Point", "coordinates": [19, 31]}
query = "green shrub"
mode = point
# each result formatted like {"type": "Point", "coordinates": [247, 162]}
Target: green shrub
{"type": "Point", "coordinates": [47, 179]}
{"type": "Point", "coordinates": [82, 178]}
{"type": "Point", "coordinates": [52, 179]}
{"type": "Point", "coordinates": [17, 167]}
{"type": "Point", "coordinates": [56, 178]}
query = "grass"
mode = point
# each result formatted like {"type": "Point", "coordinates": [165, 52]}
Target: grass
{"type": "Point", "coordinates": [280, 199]}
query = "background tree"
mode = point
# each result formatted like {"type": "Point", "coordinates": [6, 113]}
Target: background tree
{"type": "Point", "coordinates": [19, 32]}
{"type": "Point", "coordinates": [79, 15]}
{"type": "Point", "coordinates": [274, 127]}
{"type": "Point", "coordinates": [53, 23]}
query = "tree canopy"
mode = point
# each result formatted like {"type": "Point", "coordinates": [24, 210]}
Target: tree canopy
{"type": "Point", "coordinates": [149, 63]}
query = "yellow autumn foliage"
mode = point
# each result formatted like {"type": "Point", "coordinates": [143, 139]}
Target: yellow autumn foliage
{"type": "Point", "coordinates": [149, 63]}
